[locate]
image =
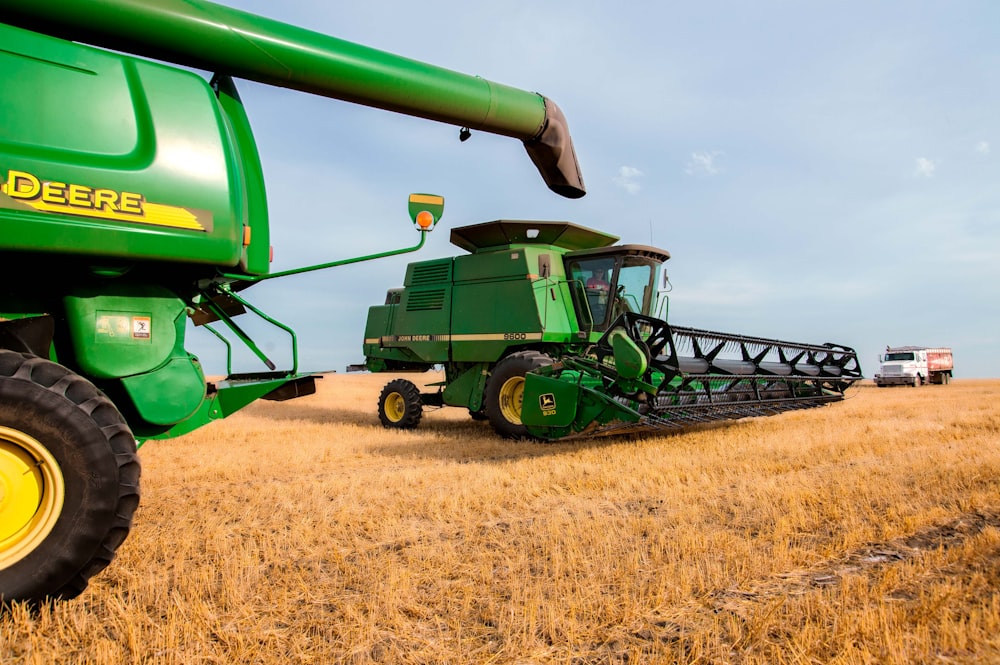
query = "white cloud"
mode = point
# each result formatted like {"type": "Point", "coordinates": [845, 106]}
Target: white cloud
{"type": "Point", "coordinates": [983, 147]}
{"type": "Point", "coordinates": [925, 167]}
{"type": "Point", "coordinates": [703, 163]}
{"type": "Point", "coordinates": [627, 179]}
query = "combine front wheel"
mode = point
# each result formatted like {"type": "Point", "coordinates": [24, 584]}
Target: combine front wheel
{"type": "Point", "coordinates": [399, 405]}
{"type": "Point", "coordinates": [505, 391]}
{"type": "Point", "coordinates": [69, 480]}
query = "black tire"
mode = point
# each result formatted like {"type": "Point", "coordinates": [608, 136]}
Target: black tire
{"type": "Point", "coordinates": [478, 416]}
{"type": "Point", "coordinates": [504, 391]}
{"type": "Point", "coordinates": [399, 405]}
{"type": "Point", "coordinates": [86, 475]}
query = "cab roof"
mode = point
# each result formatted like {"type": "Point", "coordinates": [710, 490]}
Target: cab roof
{"type": "Point", "coordinates": [654, 253]}
{"type": "Point", "coordinates": [503, 233]}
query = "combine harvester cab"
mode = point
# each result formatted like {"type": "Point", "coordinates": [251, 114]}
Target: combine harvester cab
{"type": "Point", "coordinates": [132, 200]}
{"type": "Point", "coordinates": [549, 330]}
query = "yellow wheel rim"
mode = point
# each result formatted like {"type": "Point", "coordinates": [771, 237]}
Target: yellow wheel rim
{"type": "Point", "coordinates": [511, 396]}
{"type": "Point", "coordinates": [32, 491]}
{"type": "Point", "coordinates": [395, 407]}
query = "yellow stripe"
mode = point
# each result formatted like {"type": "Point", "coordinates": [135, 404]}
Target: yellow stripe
{"type": "Point", "coordinates": [426, 198]}
{"type": "Point", "coordinates": [171, 216]}
{"type": "Point", "coordinates": [497, 337]}
{"type": "Point", "coordinates": [494, 337]}
{"type": "Point", "coordinates": [156, 214]}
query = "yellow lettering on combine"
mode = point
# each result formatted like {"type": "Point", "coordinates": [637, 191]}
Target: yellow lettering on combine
{"type": "Point", "coordinates": [81, 200]}
{"type": "Point", "coordinates": [21, 185]}
{"type": "Point", "coordinates": [130, 203]}
{"type": "Point", "coordinates": [80, 196]}
{"type": "Point", "coordinates": [106, 199]}
{"type": "Point", "coordinates": [54, 193]}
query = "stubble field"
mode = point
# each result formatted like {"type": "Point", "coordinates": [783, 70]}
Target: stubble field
{"type": "Point", "coordinates": [302, 532]}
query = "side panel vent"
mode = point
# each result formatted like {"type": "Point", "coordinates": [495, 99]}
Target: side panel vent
{"type": "Point", "coordinates": [417, 301]}
{"type": "Point", "coordinates": [436, 272]}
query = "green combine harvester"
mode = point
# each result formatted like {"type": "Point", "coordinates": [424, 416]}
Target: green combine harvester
{"type": "Point", "coordinates": [550, 331]}
{"type": "Point", "coordinates": [132, 201]}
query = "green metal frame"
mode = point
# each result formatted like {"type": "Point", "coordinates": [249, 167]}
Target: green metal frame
{"type": "Point", "coordinates": [323, 266]}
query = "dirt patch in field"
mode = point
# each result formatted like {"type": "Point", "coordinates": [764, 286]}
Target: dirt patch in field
{"type": "Point", "coordinates": [681, 630]}
{"type": "Point", "coordinates": [861, 561]}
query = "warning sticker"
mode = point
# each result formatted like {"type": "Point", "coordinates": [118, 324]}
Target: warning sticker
{"type": "Point", "coordinates": [123, 327]}
{"type": "Point", "coordinates": [142, 327]}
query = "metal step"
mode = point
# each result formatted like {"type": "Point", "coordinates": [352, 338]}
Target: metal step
{"type": "Point", "coordinates": [287, 385]}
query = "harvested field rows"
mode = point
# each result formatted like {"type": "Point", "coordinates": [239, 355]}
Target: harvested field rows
{"type": "Point", "coordinates": [302, 532]}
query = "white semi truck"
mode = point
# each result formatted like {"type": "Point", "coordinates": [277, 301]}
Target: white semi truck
{"type": "Point", "coordinates": [914, 366]}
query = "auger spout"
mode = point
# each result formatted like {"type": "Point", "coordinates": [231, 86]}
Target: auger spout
{"type": "Point", "coordinates": [204, 35]}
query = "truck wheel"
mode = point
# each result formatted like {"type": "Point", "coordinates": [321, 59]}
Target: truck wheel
{"type": "Point", "coordinates": [399, 405]}
{"type": "Point", "coordinates": [917, 381]}
{"type": "Point", "coordinates": [69, 480]}
{"type": "Point", "coordinates": [505, 390]}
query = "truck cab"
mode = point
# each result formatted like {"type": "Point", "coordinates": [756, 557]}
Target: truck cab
{"type": "Point", "coordinates": [914, 366]}
{"type": "Point", "coordinates": [902, 368]}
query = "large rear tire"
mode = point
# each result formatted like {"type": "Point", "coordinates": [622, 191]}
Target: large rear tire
{"type": "Point", "coordinates": [69, 480]}
{"type": "Point", "coordinates": [505, 392]}
{"type": "Point", "coordinates": [399, 405]}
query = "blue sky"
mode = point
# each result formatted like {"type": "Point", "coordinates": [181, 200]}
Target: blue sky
{"type": "Point", "coordinates": [819, 171]}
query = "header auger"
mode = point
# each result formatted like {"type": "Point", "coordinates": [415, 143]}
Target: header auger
{"type": "Point", "coordinates": [552, 331]}
{"type": "Point", "coordinates": [132, 200]}
{"type": "Point", "coordinates": [644, 374]}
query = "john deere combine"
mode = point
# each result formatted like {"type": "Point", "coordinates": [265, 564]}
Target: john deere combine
{"type": "Point", "coordinates": [132, 200]}
{"type": "Point", "coordinates": [550, 330]}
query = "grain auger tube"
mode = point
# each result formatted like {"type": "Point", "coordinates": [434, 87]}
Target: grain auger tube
{"type": "Point", "coordinates": [132, 203]}
{"type": "Point", "coordinates": [220, 39]}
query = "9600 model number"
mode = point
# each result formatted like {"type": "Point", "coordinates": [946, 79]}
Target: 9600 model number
{"type": "Point", "coordinates": [515, 336]}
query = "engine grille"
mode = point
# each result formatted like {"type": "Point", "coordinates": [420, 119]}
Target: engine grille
{"type": "Point", "coordinates": [417, 301]}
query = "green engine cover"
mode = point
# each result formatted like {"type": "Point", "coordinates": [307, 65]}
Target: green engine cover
{"type": "Point", "coordinates": [103, 155]}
